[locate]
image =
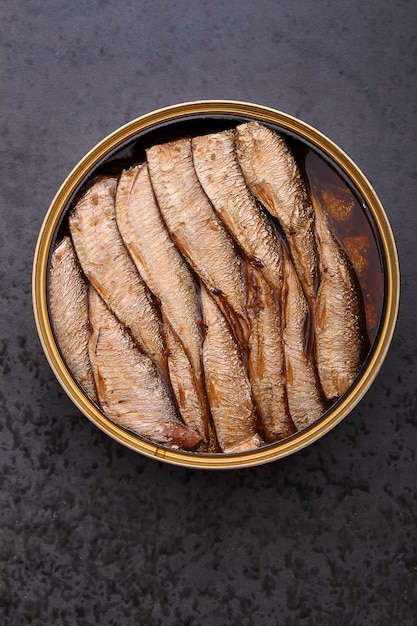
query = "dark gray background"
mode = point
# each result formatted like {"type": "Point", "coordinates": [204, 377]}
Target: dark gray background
{"type": "Point", "coordinates": [91, 532]}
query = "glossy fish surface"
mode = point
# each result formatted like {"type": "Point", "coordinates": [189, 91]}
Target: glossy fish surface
{"type": "Point", "coordinates": [169, 278]}
{"type": "Point", "coordinates": [227, 384]}
{"type": "Point", "coordinates": [189, 391]}
{"type": "Point", "coordinates": [130, 389]}
{"type": "Point", "coordinates": [194, 226]}
{"type": "Point", "coordinates": [158, 260]}
{"type": "Point", "coordinates": [266, 362]}
{"type": "Point", "coordinates": [220, 175]}
{"type": "Point", "coordinates": [305, 397]}
{"type": "Point", "coordinates": [107, 265]}
{"type": "Point", "coordinates": [340, 326]}
{"type": "Point", "coordinates": [69, 313]}
{"type": "Point", "coordinates": [273, 176]}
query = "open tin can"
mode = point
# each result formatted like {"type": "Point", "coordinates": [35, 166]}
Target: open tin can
{"type": "Point", "coordinates": [359, 222]}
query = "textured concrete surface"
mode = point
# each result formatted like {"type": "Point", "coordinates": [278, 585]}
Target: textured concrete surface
{"type": "Point", "coordinates": [90, 532]}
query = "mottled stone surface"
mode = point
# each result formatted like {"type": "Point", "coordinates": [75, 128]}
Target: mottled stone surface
{"type": "Point", "coordinates": [91, 532]}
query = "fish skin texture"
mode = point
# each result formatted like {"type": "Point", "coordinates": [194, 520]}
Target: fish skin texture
{"type": "Point", "coordinates": [130, 389]}
{"type": "Point", "coordinates": [228, 388]}
{"type": "Point", "coordinates": [108, 267]}
{"type": "Point", "coordinates": [195, 227]}
{"type": "Point", "coordinates": [158, 260]}
{"type": "Point", "coordinates": [169, 278]}
{"type": "Point", "coordinates": [273, 176]}
{"type": "Point", "coordinates": [266, 359]}
{"type": "Point", "coordinates": [305, 397]}
{"type": "Point", "coordinates": [218, 170]}
{"type": "Point", "coordinates": [188, 391]}
{"type": "Point", "coordinates": [340, 327]}
{"type": "Point", "coordinates": [67, 292]}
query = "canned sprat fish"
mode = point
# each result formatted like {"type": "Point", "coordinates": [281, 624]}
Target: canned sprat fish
{"type": "Point", "coordinates": [216, 284]}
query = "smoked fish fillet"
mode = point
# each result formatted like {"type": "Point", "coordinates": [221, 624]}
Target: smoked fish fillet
{"type": "Point", "coordinates": [305, 397]}
{"type": "Point", "coordinates": [108, 267]}
{"type": "Point", "coordinates": [196, 229]}
{"type": "Point", "coordinates": [218, 170]}
{"type": "Point", "coordinates": [227, 384]}
{"type": "Point", "coordinates": [168, 276]}
{"type": "Point", "coordinates": [340, 327]}
{"type": "Point", "coordinates": [158, 261]}
{"type": "Point", "coordinates": [69, 313]}
{"type": "Point", "coordinates": [189, 391]}
{"type": "Point", "coordinates": [130, 388]}
{"type": "Point", "coordinates": [266, 362]}
{"type": "Point", "coordinates": [273, 176]}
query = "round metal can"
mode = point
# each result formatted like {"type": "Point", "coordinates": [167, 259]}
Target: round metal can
{"type": "Point", "coordinates": [327, 163]}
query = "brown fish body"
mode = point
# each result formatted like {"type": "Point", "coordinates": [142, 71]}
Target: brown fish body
{"type": "Point", "coordinates": [129, 385]}
{"type": "Point", "coordinates": [168, 276]}
{"type": "Point", "coordinates": [158, 260]}
{"type": "Point", "coordinates": [228, 387]}
{"type": "Point", "coordinates": [266, 362]}
{"type": "Point", "coordinates": [220, 175]}
{"type": "Point", "coordinates": [194, 226]}
{"type": "Point", "coordinates": [272, 175]}
{"type": "Point", "coordinates": [107, 265]}
{"type": "Point", "coordinates": [340, 328]}
{"type": "Point", "coordinates": [69, 313]}
{"type": "Point", "coordinates": [305, 398]}
{"type": "Point", "coordinates": [189, 391]}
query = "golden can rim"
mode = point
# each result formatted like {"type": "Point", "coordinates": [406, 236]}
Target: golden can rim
{"type": "Point", "coordinates": [262, 114]}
